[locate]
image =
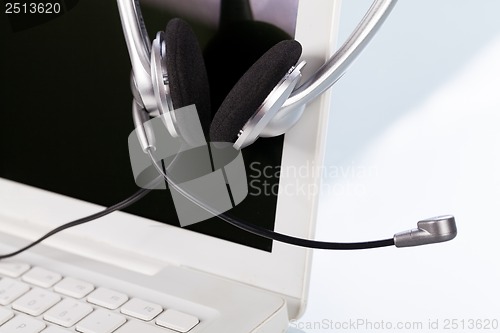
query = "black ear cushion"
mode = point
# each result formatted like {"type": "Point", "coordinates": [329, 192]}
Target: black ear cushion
{"type": "Point", "coordinates": [252, 89]}
{"type": "Point", "coordinates": [233, 50]}
{"type": "Point", "coordinates": [187, 74]}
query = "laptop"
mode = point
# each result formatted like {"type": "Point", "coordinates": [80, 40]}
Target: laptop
{"type": "Point", "coordinates": [66, 116]}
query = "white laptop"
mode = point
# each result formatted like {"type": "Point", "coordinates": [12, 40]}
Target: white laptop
{"type": "Point", "coordinates": [63, 156]}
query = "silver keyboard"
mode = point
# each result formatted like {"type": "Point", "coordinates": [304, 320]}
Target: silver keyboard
{"type": "Point", "coordinates": [34, 300]}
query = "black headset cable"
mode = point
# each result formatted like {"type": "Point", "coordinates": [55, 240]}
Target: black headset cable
{"type": "Point", "coordinates": [263, 232]}
{"type": "Point", "coordinates": [119, 206]}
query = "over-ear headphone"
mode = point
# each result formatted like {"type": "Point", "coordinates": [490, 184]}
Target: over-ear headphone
{"type": "Point", "coordinates": [170, 73]}
{"type": "Point", "coordinates": [250, 103]}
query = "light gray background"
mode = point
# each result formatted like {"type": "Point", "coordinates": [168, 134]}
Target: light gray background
{"type": "Point", "coordinates": [413, 133]}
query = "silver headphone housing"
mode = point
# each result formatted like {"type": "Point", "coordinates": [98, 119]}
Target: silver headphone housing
{"type": "Point", "coordinates": [161, 87]}
{"type": "Point", "coordinates": [256, 125]}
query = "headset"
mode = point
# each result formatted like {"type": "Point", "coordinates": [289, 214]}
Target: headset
{"type": "Point", "coordinates": [262, 98]}
{"type": "Point", "coordinates": [170, 73]}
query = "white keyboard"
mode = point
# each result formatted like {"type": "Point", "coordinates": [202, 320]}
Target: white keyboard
{"type": "Point", "coordinates": [34, 300]}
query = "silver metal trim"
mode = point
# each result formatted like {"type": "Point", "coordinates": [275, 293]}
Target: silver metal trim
{"type": "Point", "coordinates": [268, 109]}
{"type": "Point", "coordinates": [161, 89]}
{"type": "Point", "coordinates": [432, 230]}
{"type": "Point", "coordinates": [340, 61]}
{"type": "Point", "coordinates": [282, 122]}
{"type": "Point", "coordinates": [138, 45]}
{"type": "Point", "coordinates": [144, 132]}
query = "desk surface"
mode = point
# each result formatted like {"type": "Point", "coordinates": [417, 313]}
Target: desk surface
{"type": "Point", "coordinates": [413, 134]}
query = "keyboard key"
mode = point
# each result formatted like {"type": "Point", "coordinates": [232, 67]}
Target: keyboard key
{"type": "Point", "coordinates": [23, 324]}
{"type": "Point", "coordinates": [68, 312]}
{"type": "Point", "coordinates": [41, 277]}
{"type": "Point", "coordinates": [36, 302]}
{"type": "Point", "coordinates": [5, 314]}
{"type": "Point", "coordinates": [10, 290]}
{"type": "Point", "coordinates": [55, 330]}
{"type": "Point", "coordinates": [177, 321]}
{"type": "Point", "coordinates": [139, 327]}
{"type": "Point", "coordinates": [141, 309]}
{"type": "Point", "coordinates": [74, 288]}
{"type": "Point", "coordinates": [107, 298]}
{"type": "Point", "coordinates": [13, 269]}
{"type": "Point", "coordinates": [101, 321]}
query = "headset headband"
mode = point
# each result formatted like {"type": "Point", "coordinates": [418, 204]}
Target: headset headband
{"type": "Point", "coordinates": [139, 48]}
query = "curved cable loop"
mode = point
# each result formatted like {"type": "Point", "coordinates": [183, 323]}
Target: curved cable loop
{"type": "Point", "coordinates": [121, 205]}
{"type": "Point", "coordinates": [263, 232]}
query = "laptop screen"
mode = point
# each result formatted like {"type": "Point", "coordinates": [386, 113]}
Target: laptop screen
{"type": "Point", "coordinates": [66, 115]}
